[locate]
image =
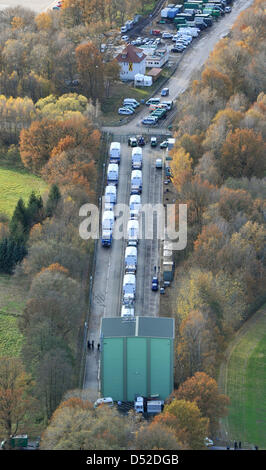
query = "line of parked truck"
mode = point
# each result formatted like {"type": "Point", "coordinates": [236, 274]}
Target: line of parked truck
{"type": "Point", "coordinates": [131, 252]}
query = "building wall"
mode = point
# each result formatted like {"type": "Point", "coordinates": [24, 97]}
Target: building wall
{"type": "Point", "coordinates": [136, 365]}
{"type": "Point", "coordinates": [129, 70]}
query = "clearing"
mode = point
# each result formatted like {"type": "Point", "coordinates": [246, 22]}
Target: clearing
{"type": "Point", "coordinates": [15, 184]}
{"type": "Point", "coordinates": [243, 379]}
{"type": "Point", "coordinates": [12, 301]}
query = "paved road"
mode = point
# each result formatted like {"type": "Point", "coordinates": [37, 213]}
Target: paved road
{"type": "Point", "coordinates": [192, 61]}
{"type": "Point", "coordinates": [108, 278]}
{"type": "Point", "coordinates": [36, 5]}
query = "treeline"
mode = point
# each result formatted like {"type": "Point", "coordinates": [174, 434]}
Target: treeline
{"type": "Point", "coordinates": [42, 247]}
{"type": "Point", "coordinates": [219, 172]}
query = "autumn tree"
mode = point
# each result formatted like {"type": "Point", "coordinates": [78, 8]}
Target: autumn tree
{"type": "Point", "coordinates": [156, 436]}
{"type": "Point", "coordinates": [203, 390]}
{"type": "Point", "coordinates": [185, 418]}
{"type": "Point", "coordinates": [15, 385]}
{"type": "Point", "coordinates": [91, 70]}
{"type": "Point", "coordinates": [243, 154]}
{"type": "Point", "coordinates": [77, 425]}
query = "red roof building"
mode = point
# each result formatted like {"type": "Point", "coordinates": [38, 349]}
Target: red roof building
{"type": "Point", "coordinates": [131, 61]}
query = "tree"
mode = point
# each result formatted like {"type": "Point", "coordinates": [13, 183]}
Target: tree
{"type": "Point", "coordinates": [14, 399]}
{"type": "Point", "coordinates": [91, 70]}
{"type": "Point", "coordinates": [243, 154]}
{"type": "Point", "coordinates": [54, 197]}
{"type": "Point", "coordinates": [185, 419]}
{"type": "Point", "coordinates": [156, 436]}
{"type": "Point", "coordinates": [37, 142]}
{"type": "Point", "coordinates": [203, 390]}
{"type": "Point", "coordinates": [77, 425]}
{"type": "Point", "coordinates": [19, 224]}
{"type": "Point", "coordinates": [181, 168]}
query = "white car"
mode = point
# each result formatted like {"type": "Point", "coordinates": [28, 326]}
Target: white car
{"type": "Point", "coordinates": [107, 401]}
{"type": "Point", "coordinates": [167, 35]}
{"type": "Point", "coordinates": [125, 38]}
{"type": "Point", "coordinates": [208, 442]}
{"type": "Point", "coordinates": [126, 111]}
{"type": "Point", "coordinates": [228, 9]}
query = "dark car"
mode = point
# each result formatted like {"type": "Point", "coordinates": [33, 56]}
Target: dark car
{"type": "Point", "coordinates": [178, 49]}
{"type": "Point", "coordinates": [141, 141]}
{"type": "Point", "coordinates": [165, 92]}
{"type": "Point", "coordinates": [155, 283]}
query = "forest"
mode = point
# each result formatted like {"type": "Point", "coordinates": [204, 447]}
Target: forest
{"type": "Point", "coordinates": [219, 172]}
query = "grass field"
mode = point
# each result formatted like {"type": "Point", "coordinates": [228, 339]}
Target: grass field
{"type": "Point", "coordinates": [15, 184]}
{"type": "Point", "coordinates": [12, 301]}
{"type": "Point", "coordinates": [245, 384]}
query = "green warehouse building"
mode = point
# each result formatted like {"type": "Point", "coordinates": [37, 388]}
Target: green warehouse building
{"type": "Point", "coordinates": [137, 358]}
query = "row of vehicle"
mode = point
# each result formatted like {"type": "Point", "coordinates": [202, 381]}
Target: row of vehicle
{"type": "Point", "coordinates": [131, 253]}
{"type": "Point", "coordinates": [158, 110]}
{"type": "Point", "coordinates": [129, 24]}
{"type": "Point", "coordinates": [110, 194]}
{"type": "Point", "coordinates": [129, 106]}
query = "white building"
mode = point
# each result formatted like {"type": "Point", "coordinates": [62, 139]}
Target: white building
{"type": "Point", "coordinates": [132, 62]}
{"type": "Point", "coordinates": [157, 59]}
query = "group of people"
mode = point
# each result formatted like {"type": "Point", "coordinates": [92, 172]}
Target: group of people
{"type": "Point", "coordinates": [91, 345]}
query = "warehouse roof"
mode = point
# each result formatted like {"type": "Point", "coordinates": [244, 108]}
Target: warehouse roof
{"type": "Point", "coordinates": [139, 326]}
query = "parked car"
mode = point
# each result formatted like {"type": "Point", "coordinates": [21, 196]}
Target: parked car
{"type": "Point", "coordinates": [125, 38]}
{"type": "Point", "coordinates": [149, 121]}
{"type": "Point", "coordinates": [178, 48]}
{"type": "Point", "coordinates": [165, 92]}
{"type": "Point", "coordinates": [228, 9]}
{"type": "Point", "coordinates": [129, 106]}
{"type": "Point", "coordinates": [153, 142]}
{"type": "Point", "coordinates": [159, 163]}
{"type": "Point", "coordinates": [126, 111]}
{"type": "Point", "coordinates": [164, 144]}
{"type": "Point", "coordinates": [167, 35]}
{"type": "Point", "coordinates": [208, 442]}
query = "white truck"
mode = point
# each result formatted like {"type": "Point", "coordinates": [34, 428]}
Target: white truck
{"type": "Point", "coordinates": [129, 289]}
{"type": "Point", "coordinates": [133, 232]}
{"type": "Point", "coordinates": [112, 174]}
{"type": "Point", "coordinates": [135, 206]}
{"type": "Point", "coordinates": [136, 158]}
{"type": "Point", "coordinates": [115, 152]}
{"type": "Point", "coordinates": [131, 259]}
{"type": "Point", "coordinates": [136, 182]}
{"type": "Point", "coordinates": [139, 405]}
{"type": "Point", "coordinates": [127, 311]}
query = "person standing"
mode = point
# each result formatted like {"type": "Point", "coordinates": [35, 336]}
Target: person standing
{"type": "Point", "coordinates": [92, 344]}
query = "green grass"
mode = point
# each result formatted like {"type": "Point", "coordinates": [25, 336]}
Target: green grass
{"type": "Point", "coordinates": [12, 302]}
{"type": "Point", "coordinates": [246, 386]}
{"type": "Point", "coordinates": [14, 184]}
{"type": "Point", "coordinates": [123, 90]}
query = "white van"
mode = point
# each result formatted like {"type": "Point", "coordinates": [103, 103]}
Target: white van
{"type": "Point", "coordinates": [153, 101]}
{"type": "Point", "coordinates": [104, 401]}
{"type": "Point", "coordinates": [108, 220]}
{"type": "Point", "coordinates": [115, 152]}
{"type": "Point", "coordinates": [136, 158]}
{"type": "Point", "coordinates": [110, 194]}
{"type": "Point", "coordinates": [112, 174]}
{"type": "Point", "coordinates": [136, 182]}
{"type": "Point", "coordinates": [129, 288]}
{"type": "Point", "coordinates": [131, 101]}
{"type": "Point", "coordinates": [131, 259]}
{"type": "Point", "coordinates": [134, 206]}
{"type": "Point", "coordinates": [127, 311]}
{"type": "Point", "coordinates": [133, 232]}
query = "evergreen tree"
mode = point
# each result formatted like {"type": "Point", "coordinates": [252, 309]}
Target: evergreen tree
{"type": "Point", "coordinates": [34, 210]}
{"type": "Point", "coordinates": [52, 201]}
{"type": "Point", "coordinates": [19, 226]}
